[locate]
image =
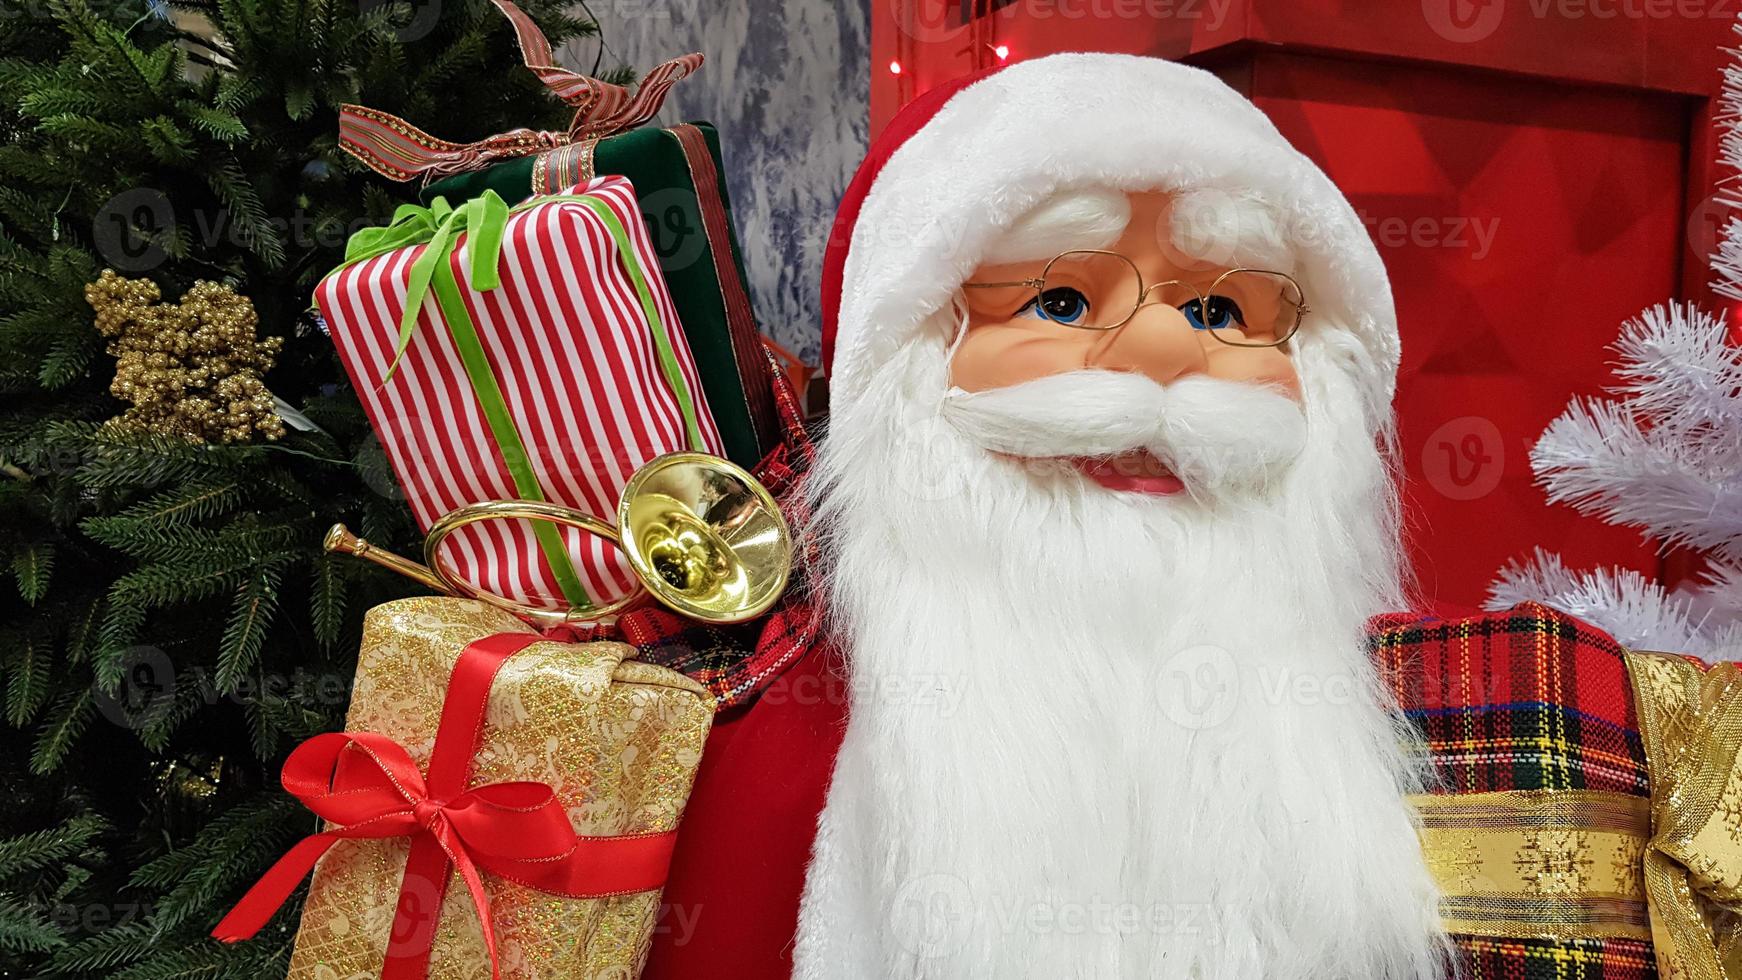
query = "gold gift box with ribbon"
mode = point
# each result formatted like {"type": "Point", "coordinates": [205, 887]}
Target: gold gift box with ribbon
{"type": "Point", "coordinates": [617, 740]}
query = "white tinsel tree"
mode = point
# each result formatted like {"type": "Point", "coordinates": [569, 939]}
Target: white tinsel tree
{"type": "Point", "coordinates": [1662, 453]}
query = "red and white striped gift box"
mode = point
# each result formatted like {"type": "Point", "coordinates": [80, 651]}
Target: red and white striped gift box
{"type": "Point", "coordinates": [577, 364]}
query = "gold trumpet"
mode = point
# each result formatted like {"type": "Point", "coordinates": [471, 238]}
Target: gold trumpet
{"type": "Point", "coordinates": [701, 534]}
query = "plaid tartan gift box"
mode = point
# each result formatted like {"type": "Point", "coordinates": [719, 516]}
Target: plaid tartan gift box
{"type": "Point", "coordinates": [682, 199]}
{"type": "Point", "coordinates": [1586, 822]}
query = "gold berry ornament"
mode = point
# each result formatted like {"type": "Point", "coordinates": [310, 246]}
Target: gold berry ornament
{"type": "Point", "coordinates": [190, 369]}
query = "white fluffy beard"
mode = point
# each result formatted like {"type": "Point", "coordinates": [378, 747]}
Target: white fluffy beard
{"type": "Point", "coordinates": [1103, 735]}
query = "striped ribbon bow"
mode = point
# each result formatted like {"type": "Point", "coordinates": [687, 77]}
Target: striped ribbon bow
{"type": "Point", "coordinates": [397, 150]}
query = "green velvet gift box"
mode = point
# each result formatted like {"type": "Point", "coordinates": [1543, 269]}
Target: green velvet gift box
{"type": "Point", "coordinates": [678, 184]}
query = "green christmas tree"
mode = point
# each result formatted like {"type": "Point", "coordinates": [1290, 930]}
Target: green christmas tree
{"type": "Point", "coordinates": [172, 627]}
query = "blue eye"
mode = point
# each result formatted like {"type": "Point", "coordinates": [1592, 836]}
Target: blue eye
{"type": "Point", "coordinates": [1222, 314]}
{"type": "Point", "coordinates": [1060, 305]}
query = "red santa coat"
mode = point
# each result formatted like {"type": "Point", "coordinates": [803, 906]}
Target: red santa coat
{"type": "Point", "coordinates": [730, 908]}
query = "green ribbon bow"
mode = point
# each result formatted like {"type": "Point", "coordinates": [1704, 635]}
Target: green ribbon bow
{"type": "Point", "coordinates": [483, 221]}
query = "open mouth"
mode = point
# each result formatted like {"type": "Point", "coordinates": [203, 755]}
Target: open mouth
{"type": "Point", "coordinates": [1133, 472]}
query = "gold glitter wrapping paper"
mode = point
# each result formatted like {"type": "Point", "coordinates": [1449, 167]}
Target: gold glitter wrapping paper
{"type": "Point", "coordinates": [617, 740]}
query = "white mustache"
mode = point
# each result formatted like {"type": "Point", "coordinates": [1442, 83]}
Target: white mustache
{"type": "Point", "coordinates": [1211, 433]}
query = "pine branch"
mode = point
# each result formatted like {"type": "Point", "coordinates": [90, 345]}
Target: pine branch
{"type": "Point", "coordinates": [251, 616]}
{"type": "Point", "coordinates": [32, 565]}
{"type": "Point", "coordinates": [67, 720]}
{"type": "Point", "coordinates": [167, 142]}
{"type": "Point", "coordinates": [165, 583]}
{"type": "Point", "coordinates": [328, 600]}
{"type": "Point", "coordinates": [82, 628]}
{"type": "Point", "coordinates": [99, 136]}
{"type": "Point", "coordinates": [206, 960]}
{"type": "Point", "coordinates": [123, 618]}
{"type": "Point", "coordinates": [1602, 459]}
{"type": "Point", "coordinates": [67, 360]}
{"type": "Point", "coordinates": [181, 506]}
{"type": "Point", "coordinates": [247, 214]}
{"type": "Point", "coordinates": [228, 853]}
{"type": "Point", "coordinates": [1678, 369]}
{"type": "Point", "coordinates": [223, 126]}
{"type": "Point", "coordinates": [49, 98]}
{"type": "Point", "coordinates": [192, 547]}
{"type": "Point", "coordinates": [164, 716]}
{"type": "Point", "coordinates": [277, 720]}
{"type": "Point", "coordinates": [30, 853]}
{"type": "Point", "coordinates": [27, 680]}
{"type": "Point", "coordinates": [121, 458]}
{"type": "Point", "coordinates": [103, 952]}
{"type": "Point", "coordinates": [24, 928]}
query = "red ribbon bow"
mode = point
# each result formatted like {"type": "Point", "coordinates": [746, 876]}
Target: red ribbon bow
{"type": "Point", "coordinates": [396, 149]}
{"type": "Point", "coordinates": [367, 785]}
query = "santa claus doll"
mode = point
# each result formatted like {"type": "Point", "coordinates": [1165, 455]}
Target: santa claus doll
{"type": "Point", "coordinates": [1110, 378]}
{"type": "Point", "coordinates": [1103, 509]}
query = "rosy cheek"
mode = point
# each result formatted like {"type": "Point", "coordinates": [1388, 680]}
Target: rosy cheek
{"type": "Point", "coordinates": [1010, 353]}
{"type": "Point", "coordinates": [1266, 367]}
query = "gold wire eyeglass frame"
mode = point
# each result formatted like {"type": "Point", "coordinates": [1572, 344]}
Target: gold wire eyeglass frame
{"type": "Point", "coordinates": [1038, 284]}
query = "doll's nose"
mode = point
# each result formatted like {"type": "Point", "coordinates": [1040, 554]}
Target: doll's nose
{"type": "Point", "coordinates": [1157, 342]}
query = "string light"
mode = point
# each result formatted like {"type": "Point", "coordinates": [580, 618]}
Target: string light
{"type": "Point", "coordinates": [895, 68]}
{"type": "Point", "coordinates": [1002, 51]}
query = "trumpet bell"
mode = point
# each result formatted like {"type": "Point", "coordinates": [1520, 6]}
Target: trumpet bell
{"type": "Point", "coordinates": [705, 538]}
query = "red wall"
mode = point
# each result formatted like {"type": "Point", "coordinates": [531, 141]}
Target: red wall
{"type": "Point", "coordinates": [1528, 176]}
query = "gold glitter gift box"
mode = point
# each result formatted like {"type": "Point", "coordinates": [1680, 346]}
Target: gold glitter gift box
{"type": "Point", "coordinates": [617, 740]}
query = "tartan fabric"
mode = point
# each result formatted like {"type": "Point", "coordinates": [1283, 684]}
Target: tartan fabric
{"type": "Point", "coordinates": [1526, 698]}
{"type": "Point", "coordinates": [1542, 959]}
{"type": "Point", "coordinates": [733, 662]}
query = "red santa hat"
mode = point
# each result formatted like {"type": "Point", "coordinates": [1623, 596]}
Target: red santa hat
{"type": "Point", "coordinates": [963, 162]}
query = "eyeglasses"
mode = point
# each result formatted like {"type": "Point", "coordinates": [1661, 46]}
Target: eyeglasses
{"type": "Point", "coordinates": [1094, 289]}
